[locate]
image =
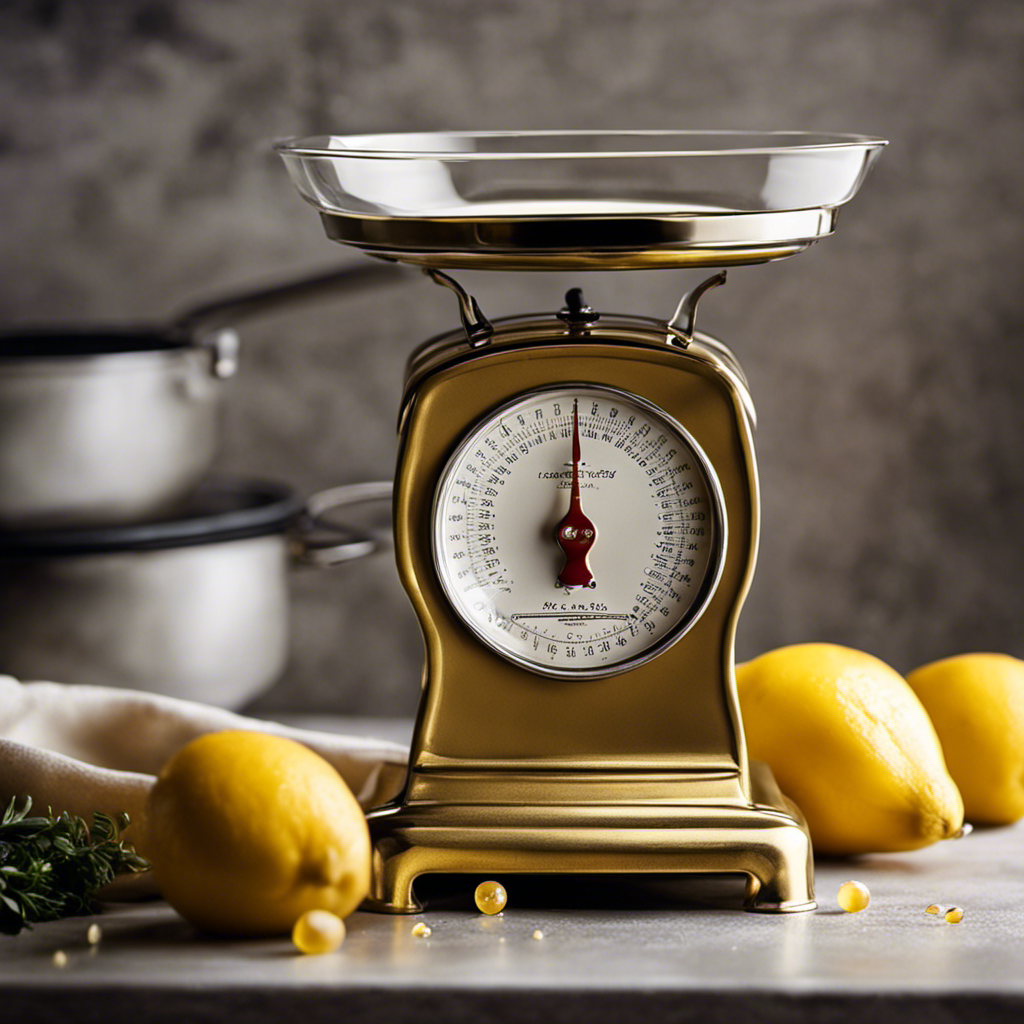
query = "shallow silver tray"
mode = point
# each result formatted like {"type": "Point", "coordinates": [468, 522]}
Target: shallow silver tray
{"type": "Point", "coordinates": [580, 200]}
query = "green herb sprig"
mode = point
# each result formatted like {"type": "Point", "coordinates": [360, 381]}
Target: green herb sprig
{"type": "Point", "coordinates": [51, 867]}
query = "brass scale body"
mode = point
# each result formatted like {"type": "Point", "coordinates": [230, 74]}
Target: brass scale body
{"type": "Point", "coordinates": [641, 771]}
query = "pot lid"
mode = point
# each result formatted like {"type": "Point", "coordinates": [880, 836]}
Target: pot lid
{"type": "Point", "coordinates": [221, 509]}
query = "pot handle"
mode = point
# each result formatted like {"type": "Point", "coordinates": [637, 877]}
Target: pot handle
{"type": "Point", "coordinates": [319, 542]}
{"type": "Point", "coordinates": [208, 325]}
{"type": "Point", "coordinates": [223, 346]}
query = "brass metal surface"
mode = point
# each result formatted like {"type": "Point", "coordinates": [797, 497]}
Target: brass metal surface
{"type": "Point", "coordinates": [611, 242]}
{"type": "Point", "coordinates": [765, 840]}
{"type": "Point", "coordinates": [524, 332]}
{"type": "Point", "coordinates": [643, 770]}
{"type": "Point", "coordinates": [702, 592]}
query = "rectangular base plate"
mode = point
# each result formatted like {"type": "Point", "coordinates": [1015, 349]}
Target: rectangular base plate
{"type": "Point", "coordinates": [766, 840]}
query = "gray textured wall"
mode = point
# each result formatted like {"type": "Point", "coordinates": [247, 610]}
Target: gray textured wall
{"type": "Point", "coordinates": [886, 362]}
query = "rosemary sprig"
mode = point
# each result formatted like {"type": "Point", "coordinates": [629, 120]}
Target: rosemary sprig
{"type": "Point", "coordinates": [51, 867]}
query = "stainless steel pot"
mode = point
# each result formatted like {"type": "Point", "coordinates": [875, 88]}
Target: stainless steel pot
{"type": "Point", "coordinates": [113, 425]}
{"type": "Point", "coordinates": [104, 426]}
{"type": "Point", "coordinates": [196, 606]}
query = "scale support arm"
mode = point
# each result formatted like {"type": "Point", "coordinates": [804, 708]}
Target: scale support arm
{"type": "Point", "coordinates": [684, 319]}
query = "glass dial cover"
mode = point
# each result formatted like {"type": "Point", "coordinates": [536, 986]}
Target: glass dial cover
{"type": "Point", "coordinates": [651, 503]}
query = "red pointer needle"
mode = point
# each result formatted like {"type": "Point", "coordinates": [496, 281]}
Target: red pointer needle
{"type": "Point", "coordinates": [575, 534]}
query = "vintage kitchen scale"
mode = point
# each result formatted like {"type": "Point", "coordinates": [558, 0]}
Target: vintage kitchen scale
{"type": "Point", "coordinates": [576, 500]}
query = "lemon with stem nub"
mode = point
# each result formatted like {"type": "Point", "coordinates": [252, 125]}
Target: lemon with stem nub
{"type": "Point", "coordinates": [490, 897]}
{"type": "Point", "coordinates": [247, 831]}
{"type": "Point", "coordinates": [851, 745]}
{"type": "Point", "coordinates": [976, 703]}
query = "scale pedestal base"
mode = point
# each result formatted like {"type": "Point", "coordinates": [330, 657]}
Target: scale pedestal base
{"type": "Point", "coordinates": [765, 840]}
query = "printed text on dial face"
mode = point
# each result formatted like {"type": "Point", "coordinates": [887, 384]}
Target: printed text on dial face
{"type": "Point", "coordinates": [643, 485]}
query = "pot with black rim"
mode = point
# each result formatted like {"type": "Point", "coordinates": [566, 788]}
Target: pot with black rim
{"type": "Point", "coordinates": [194, 605]}
{"type": "Point", "coordinates": [103, 425]}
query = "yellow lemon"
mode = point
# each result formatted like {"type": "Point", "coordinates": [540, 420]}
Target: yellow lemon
{"type": "Point", "coordinates": [850, 743]}
{"type": "Point", "coordinates": [976, 702]}
{"type": "Point", "coordinates": [248, 831]}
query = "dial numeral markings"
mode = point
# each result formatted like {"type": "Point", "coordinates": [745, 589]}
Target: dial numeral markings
{"type": "Point", "coordinates": [515, 472]}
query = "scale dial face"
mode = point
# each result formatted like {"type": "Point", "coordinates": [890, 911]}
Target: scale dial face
{"type": "Point", "coordinates": [578, 530]}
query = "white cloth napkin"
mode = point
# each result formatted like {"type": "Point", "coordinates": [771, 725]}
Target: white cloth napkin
{"type": "Point", "coordinates": [91, 748]}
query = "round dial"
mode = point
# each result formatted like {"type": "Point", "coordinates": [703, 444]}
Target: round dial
{"type": "Point", "coordinates": [578, 530]}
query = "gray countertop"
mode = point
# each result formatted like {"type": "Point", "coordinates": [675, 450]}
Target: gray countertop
{"type": "Point", "coordinates": [610, 950]}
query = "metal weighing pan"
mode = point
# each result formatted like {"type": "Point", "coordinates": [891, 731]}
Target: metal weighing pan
{"type": "Point", "coordinates": [580, 200]}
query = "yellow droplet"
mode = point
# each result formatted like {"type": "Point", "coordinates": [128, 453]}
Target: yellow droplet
{"type": "Point", "coordinates": [421, 930]}
{"type": "Point", "coordinates": [60, 958]}
{"type": "Point", "coordinates": [538, 935]}
{"type": "Point", "coordinates": [94, 934]}
{"type": "Point", "coordinates": [955, 915]}
{"type": "Point", "coordinates": [854, 897]}
{"type": "Point", "coordinates": [490, 897]}
{"type": "Point", "coordinates": [318, 931]}
{"type": "Point", "coordinates": [934, 908]}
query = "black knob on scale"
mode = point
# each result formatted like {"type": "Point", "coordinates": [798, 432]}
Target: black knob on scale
{"type": "Point", "coordinates": [576, 313]}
